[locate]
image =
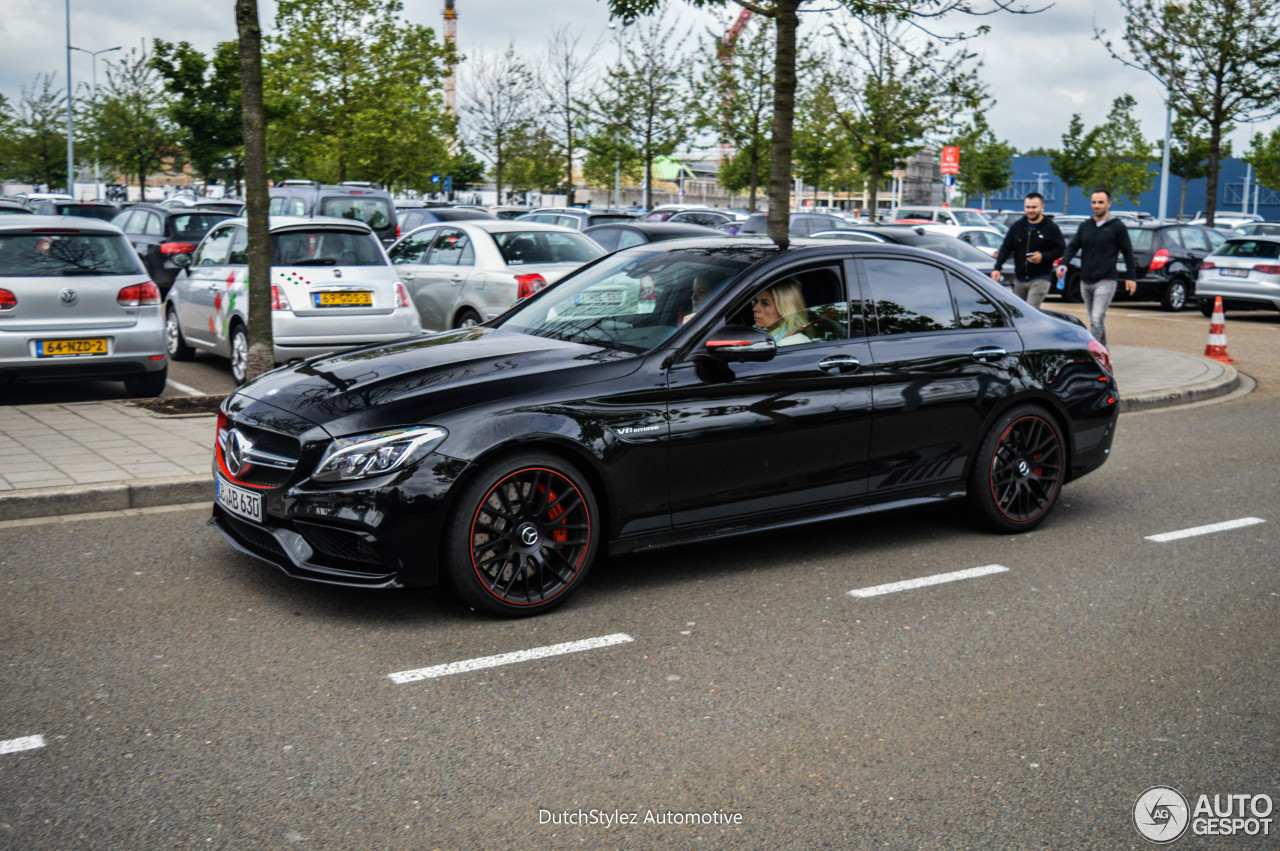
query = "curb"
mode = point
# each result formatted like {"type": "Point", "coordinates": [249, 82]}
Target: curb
{"type": "Point", "coordinates": [1224, 384]}
{"type": "Point", "coordinates": [111, 496]}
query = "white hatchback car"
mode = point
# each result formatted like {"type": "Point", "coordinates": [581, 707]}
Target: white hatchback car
{"type": "Point", "coordinates": [332, 288]}
{"type": "Point", "coordinates": [75, 302]}
{"type": "Point", "coordinates": [463, 273]}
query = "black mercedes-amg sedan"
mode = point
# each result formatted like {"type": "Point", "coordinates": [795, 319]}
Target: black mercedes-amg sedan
{"type": "Point", "coordinates": [671, 392]}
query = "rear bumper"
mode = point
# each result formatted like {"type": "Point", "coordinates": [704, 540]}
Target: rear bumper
{"type": "Point", "coordinates": [130, 351]}
{"type": "Point", "coordinates": [1240, 293]}
{"type": "Point", "coordinates": [305, 336]}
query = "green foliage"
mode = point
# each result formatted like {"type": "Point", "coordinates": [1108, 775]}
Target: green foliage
{"type": "Point", "coordinates": [499, 109]}
{"type": "Point", "coordinates": [205, 106]}
{"type": "Point", "coordinates": [535, 161]}
{"type": "Point", "coordinates": [821, 149]}
{"type": "Point", "coordinates": [1121, 156]}
{"type": "Point", "coordinates": [986, 163]}
{"type": "Point", "coordinates": [38, 150]}
{"type": "Point", "coordinates": [129, 125]}
{"type": "Point", "coordinates": [1264, 155]}
{"type": "Point", "coordinates": [465, 169]}
{"type": "Point", "coordinates": [357, 93]}
{"type": "Point", "coordinates": [1073, 161]}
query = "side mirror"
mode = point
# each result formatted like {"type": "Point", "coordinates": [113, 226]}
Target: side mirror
{"type": "Point", "coordinates": [182, 261]}
{"type": "Point", "coordinates": [734, 343]}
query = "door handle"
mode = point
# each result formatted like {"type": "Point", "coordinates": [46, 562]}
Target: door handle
{"type": "Point", "coordinates": [457, 279]}
{"type": "Point", "coordinates": [988, 353]}
{"type": "Point", "coordinates": [839, 363]}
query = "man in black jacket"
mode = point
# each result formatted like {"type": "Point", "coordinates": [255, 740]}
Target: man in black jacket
{"type": "Point", "coordinates": [1100, 241]}
{"type": "Point", "coordinates": [1034, 242]}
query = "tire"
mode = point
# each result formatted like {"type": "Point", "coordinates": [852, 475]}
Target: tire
{"type": "Point", "coordinates": [173, 340]}
{"type": "Point", "coordinates": [1175, 295]}
{"type": "Point", "coordinates": [1017, 473]}
{"type": "Point", "coordinates": [468, 318]}
{"type": "Point", "coordinates": [1206, 307]}
{"type": "Point", "coordinates": [239, 353]}
{"type": "Point", "coordinates": [523, 536]}
{"type": "Point", "coordinates": [148, 384]}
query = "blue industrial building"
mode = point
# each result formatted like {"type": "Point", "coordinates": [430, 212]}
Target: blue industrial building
{"type": "Point", "coordinates": [1033, 174]}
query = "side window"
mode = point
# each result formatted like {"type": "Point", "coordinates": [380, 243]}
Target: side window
{"type": "Point", "coordinates": [607, 237]}
{"type": "Point", "coordinates": [627, 238]}
{"type": "Point", "coordinates": [275, 207]}
{"type": "Point", "coordinates": [215, 248]}
{"type": "Point", "coordinates": [1216, 239]}
{"type": "Point", "coordinates": [154, 225]}
{"type": "Point", "coordinates": [451, 249]}
{"type": "Point", "coordinates": [909, 297]}
{"type": "Point", "coordinates": [412, 250]}
{"type": "Point", "coordinates": [566, 222]}
{"type": "Point", "coordinates": [974, 308]}
{"type": "Point", "coordinates": [135, 221]}
{"type": "Point", "coordinates": [800, 308]}
{"type": "Point", "coordinates": [239, 254]}
{"type": "Point", "coordinates": [1174, 238]}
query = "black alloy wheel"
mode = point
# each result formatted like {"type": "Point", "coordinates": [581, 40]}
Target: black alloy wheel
{"type": "Point", "coordinates": [1017, 475]}
{"type": "Point", "coordinates": [1175, 295]}
{"type": "Point", "coordinates": [524, 535]}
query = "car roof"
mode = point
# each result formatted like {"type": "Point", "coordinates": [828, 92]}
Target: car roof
{"type": "Point", "coordinates": [282, 223]}
{"type": "Point", "coordinates": [62, 224]}
{"type": "Point", "coordinates": [655, 227]}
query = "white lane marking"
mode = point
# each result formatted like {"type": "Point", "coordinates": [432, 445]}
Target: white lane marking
{"type": "Point", "coordinates": [28, 743]}
{"type": "Point", "coordinates": [190, 391]}
{"type": "Point", "coordinates": [1205, 530]}
{"type": "Point", "coordinates": [925, 581]}
{"type": "Point", "coordinates": [511, 658]}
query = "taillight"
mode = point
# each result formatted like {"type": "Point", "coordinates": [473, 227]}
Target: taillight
{"type": "Point", "coordinates": [1160, 260]}
{"type": "Point", "coordinates": [402, 295]}
{"type": "Point", "coordinates": [1267, 270]}
{"type": "Point", "coordinates": [8, 300]}
{"type": "Point", "coordinates": [138, 295]}
{"type": "Point", "coordinates": [397, 231]}
{"type": "Point", "coordinates": [1101, 355]}
{"type": "Point", "coordinates": [1208, 264]}
{"type": "Point", "coordinates": [529, 284]}
{"type": "Point", "coordinates": [279, 301]}
{"type": "Point", "coordinates": [172, 248]}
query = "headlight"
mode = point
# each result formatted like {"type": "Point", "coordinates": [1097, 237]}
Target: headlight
{"type": "Point", "coordinates": [364, 455]}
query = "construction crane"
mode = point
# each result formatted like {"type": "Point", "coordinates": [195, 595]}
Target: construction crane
{"type": "Point", "coordinates": [451, 39]}
{"type": "Point", "coordinates": [728, 44]}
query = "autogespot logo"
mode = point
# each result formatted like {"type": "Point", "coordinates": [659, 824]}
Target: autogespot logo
{"type": "Point", "coordinates": [1161, 814]}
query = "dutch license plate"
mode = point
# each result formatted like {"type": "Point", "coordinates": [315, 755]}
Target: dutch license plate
{"type": "Point", "coordinates": [70, 348]}
{"type": "Point", "coordinates": [361, 298]}
{"type": "Point", "coordinates": [239, 501]}
{"type": "Point", "coordinates": [1234, 273]}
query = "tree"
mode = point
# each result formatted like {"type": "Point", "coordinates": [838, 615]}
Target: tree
{"type": "Point", "coordinates": [498, 108]}
{"type": "Point", "coordinates": [1264, 156]}
{"type": "Point", "coordinates": [786, 20]}
{"type": "Point", "coordinates": [565, 82]}
{"type": "Point", "coordinates": [359, 90]}
{"type": "Point", "coordinates": [890, 98]}
{"type": "Point", "coordinates": [535, 159]}
{"type": "Point", "coordinates": [986, 162]}
{"type": "Point", "coordinates": [1219, 60]}
{"type": "Point", "coordinates": [1189, 153]}
{"type": "Point", "coordinates": [205, 107]}
{"type": "Point", "coordinates": [822, 157]}
{"type": "Point", "coordinates": [1073, 161]}
{"type": "Point", "coordinates": [129, 124]}
{"type": "Point", "coordinates": [249, 55]}
{"type": "Point", "coordinates": [38, 152]}
{"type": "Point", "coordinates": [1121, 156]}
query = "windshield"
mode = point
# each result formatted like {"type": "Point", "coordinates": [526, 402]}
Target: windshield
{"type": "Point", "coordinates": [37, 255]}
{"type": "Point", "coordinates": [374, 212]}
{"type": "Point", "coordinates": [633, 300]}
{"type": "Point", "coordinates": [970, 218]}
{"type": "Point", "coordinates": [319, 247]}
{"type": "Point", "coordinates": [525, 248]}
{"type": "Point", "coordinates": [191, 227]}
{"type": "Point", "coordinates": [946, 245]}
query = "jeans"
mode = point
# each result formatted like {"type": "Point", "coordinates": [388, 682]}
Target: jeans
{"type": "Point", "coordinates": [1032, 290]}
{"type": "Point", "coordinates": [1097, 298]}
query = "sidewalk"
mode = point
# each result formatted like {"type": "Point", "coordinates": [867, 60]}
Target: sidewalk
{"type": "Point", "coordinates": [106, 456]}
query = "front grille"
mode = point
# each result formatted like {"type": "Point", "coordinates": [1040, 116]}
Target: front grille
{"type": "Point", "coordinates": [271, 461]}
{"type": "Point", "coordinates": [339, 544]}
{"type": "Point", "coordinates": [251, 536]}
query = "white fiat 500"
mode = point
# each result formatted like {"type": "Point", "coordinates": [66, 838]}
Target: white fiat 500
{"type": "Point", "coordinates": [332, 288]}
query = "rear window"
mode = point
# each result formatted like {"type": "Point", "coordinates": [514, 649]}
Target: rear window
{"type": "Point", "coordinates": [521, 248]}
{"type": "Point", "coordinates": [38, 255]}
{"type": "Point", "coordinates": [191, 227]}
{"type": "Point", "coordinates": [1142, 239]}
{"type": "Point", "coordinates": [105, 212]}
{"type": "Point", "coordinates": [605, 218]}
{"type": "Point", "coordinates": [1265, 249]}
{"type": "Point", "coordinates": [947, 246]}
{"type": "Point", "coordinates": [320, 247]}
{"type": "Point", "coordinates": [374, 212]}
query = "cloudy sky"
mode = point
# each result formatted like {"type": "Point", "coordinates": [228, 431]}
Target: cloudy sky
{"type": "Point", "coordinates": [1040, 68]}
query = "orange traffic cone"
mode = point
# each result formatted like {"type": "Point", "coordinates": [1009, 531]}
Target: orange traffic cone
{"type": "Point", "coordinates": [1217, 347]}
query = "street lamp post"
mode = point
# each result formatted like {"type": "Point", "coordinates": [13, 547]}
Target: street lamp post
{"type": "Point", "coordinates": [71, 145]}
{"type": "Point", "coordinates": [97, 188]}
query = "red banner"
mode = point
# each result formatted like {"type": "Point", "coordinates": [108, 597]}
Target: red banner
{"type": "Point", "coordinates": [950, 160]}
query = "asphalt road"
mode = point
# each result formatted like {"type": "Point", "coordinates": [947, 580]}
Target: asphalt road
{"type": "Point", "coordinates": [190, 696]}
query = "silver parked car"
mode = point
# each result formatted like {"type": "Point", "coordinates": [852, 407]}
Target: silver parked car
{"type": "Point", "coordinates": [1245, 271]}
{"type": "Point", "coordinates": [466, 272]}
{"type": "Point", "coordinates": [75, 302]}
{"type": "Point", "coordinates": [332, 288]}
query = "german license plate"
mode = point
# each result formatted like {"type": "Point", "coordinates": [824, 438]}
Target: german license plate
{"type": "Point", "coordinates": [70, 348]}
{"type": "Point", "coordinates": [1234, 273]}
{"type": "Point", "coordinates": [360, 298]}
{"type": "Point", "coordinates": [1121, 266]}
{"type": "Point", "coordinates": [240, 501]}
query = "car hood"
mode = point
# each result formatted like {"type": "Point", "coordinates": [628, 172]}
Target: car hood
{"type": "Point", "coordinates": [416, 379]}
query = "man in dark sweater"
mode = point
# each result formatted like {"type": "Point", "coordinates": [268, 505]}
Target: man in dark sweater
{"type": "Point", "coordinates": [1034, 242]}
{"type": "Point", "coordinates": [1100, 241]}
